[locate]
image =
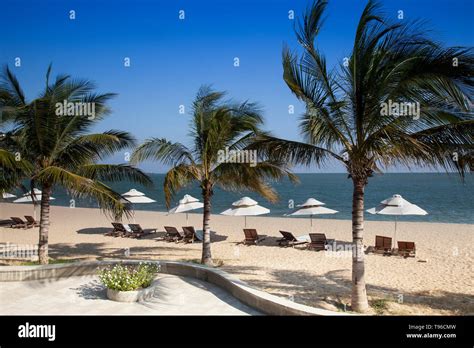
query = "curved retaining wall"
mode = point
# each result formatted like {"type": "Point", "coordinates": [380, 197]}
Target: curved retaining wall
{"type": "Point", "coordinates": [260, 300]}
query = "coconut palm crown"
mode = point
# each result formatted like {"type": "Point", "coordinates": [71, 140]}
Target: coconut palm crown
{"type": "Point", "coordinates": [217, 126]}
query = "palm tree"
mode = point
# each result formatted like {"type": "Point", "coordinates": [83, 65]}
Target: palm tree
{"type": "Point", "coordinates": [345, 117]}
{"type": "Point", "coordinates": [60, 150]}
{"type": "Point", "coordinates": [216, 126]}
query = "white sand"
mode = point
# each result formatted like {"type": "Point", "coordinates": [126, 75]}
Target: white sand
{"type": "Point", "coordinates": [442, 285]}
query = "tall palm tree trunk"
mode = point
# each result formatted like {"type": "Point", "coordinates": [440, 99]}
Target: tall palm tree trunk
{"type": "Point", "coordinates": [44, 225]}
{"type": "Point", "coordinates": [359, 295]}
{"type": "Point", "coordinates": [206, 240]}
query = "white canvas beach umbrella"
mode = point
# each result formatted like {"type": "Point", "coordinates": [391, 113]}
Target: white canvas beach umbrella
{"type": "Point", "coordinates": [246, 206]}
{"type": "Point", "coordinates": [312, 207]}
{"type": "Point", "coordinates": [7, 195]}
{"type": "Point", "coordinates": [396, 206]}
{"type": "Point", "coordinates": [135, 197]}
{"type": "Point", "coordinates": [186, 204]}
{"type": "Point", "coordinates": [27, 198]}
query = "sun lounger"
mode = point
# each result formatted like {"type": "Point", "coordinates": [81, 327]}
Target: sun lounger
{"type": "Point", "coordinates": [118, 231]}
{"type": "Point", "coordinates": [138, 231]}
{"type": "Point", "coordinates": [383, 245]}
{"type": "Point", "coordinates": [31, 221]}
{"type": "Point", "coordinates": [406, 249]}
{"type": "Point", "coordinates": [190, 235]}
{"type": "Point", "coordinates": [251, 236]}
{"type": "Point", "coordinates": [172, 234]}
{"type": "Point", "coordinates": [290, 240]}
{"type": "Point", "coordinates": [318, 241]}
{"type": "Point", "coordinates": [18, 223]}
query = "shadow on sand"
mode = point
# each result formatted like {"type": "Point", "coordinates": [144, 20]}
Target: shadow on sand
{"type": "Point", "coordinates": [334, 287]}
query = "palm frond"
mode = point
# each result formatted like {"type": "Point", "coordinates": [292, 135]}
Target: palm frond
{"type": "Point", "coordinates": [108, 200]}
{"type": "Point", "coordinates": [91, 147]}
{"type": "Point", "coordinates": [242, 176]}
{"type": "Point", "coordinates": [287, 151]}
{"type": "Point", "coordinates": [162, 150]}
{"type": "Point", "coordinates": [9, 86]}
{"type": "Point", "coordinates": [179, 177]}
{"type": "Point", "coordinates": [114, 173]}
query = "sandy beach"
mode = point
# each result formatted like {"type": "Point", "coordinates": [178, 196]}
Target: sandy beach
{"type": "Point", "coordinates": [439, 280]}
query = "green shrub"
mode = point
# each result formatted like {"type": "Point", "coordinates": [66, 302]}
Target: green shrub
{"type": "Point", "coordinates": [380, 305]}
{"type": "Point", "coordinates": [128, 278]}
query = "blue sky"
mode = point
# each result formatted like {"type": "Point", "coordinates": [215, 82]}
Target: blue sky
{"type": "Point", "coordinates": [171, 58]}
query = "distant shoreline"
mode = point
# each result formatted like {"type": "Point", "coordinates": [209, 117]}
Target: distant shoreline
{"type": "Point", "coordinates": [316, 220]}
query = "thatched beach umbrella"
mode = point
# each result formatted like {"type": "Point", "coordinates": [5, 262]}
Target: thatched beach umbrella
{"type": "Point", "coordinates": [396, 205]}
{"type": "Point", "coordinates": [186, 204]}
{"type": "Point", "coordinates": [312, 207]}
{"type": "Point", "coordinates": [246, 206]}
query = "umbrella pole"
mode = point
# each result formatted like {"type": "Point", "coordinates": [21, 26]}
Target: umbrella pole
{"type": "Point", "coordinates": [245, 221]}
{"type": "Point", "coordinates": [186, 219]}
{"type": "Point", "coordinates": [311, 219]}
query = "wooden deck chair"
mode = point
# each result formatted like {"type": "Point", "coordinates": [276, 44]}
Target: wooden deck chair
{"type": "Point", "coordinates": [138, 231]}
{"type": "Point", "coordinates": [118, 231]}
{"type": "Point", "coordinates": [18, 222]}
{"type": "Point", "coordinates": [189, 234]}
{"type": "Point", "coordinates": [289, 239]}
{"type": "Point", "coordinates": [31, 221]}
{"type": "Point", "coordinates": [318, 241]}
{"type": "Point", "coordinates": [383, 245]}
{"type": "Point", "coordinates": [406, 249]}
{"type": "Point", "coordinates": [172, 234]}
{"type": "Point", "coordinates": [251, 237]}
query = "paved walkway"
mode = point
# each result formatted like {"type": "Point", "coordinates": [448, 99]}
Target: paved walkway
{"type": "Point", "coordinates": [86, 295]}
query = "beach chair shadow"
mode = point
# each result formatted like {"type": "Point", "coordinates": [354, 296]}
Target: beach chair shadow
{"type": "Point", "coordinates": [93, 230]}
{"type": "Point", "coordinates": [149, 233]}
{"type": "Point", "coordinates": [6, 223]}
{"type": "Point", "coordinates": [268, 241]}
{"type": "Point", "coordinates": [217, 237]}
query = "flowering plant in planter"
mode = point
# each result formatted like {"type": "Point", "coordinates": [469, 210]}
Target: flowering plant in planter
{"type": "Point", "coordinates": [128, 278]}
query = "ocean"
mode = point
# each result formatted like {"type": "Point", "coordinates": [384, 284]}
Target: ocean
{"type": "Point", "coordinates": [444, 196]}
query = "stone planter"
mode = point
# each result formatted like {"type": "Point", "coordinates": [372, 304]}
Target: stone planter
{"type": "Point", "coordinates": [131, 296]}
